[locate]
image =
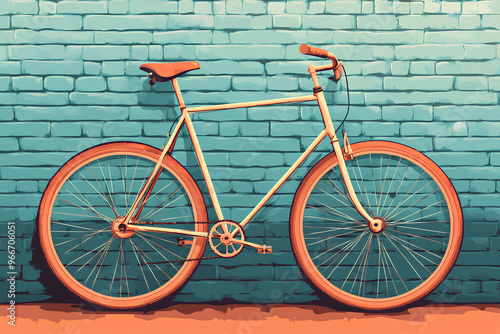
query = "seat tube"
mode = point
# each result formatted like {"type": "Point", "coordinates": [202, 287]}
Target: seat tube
{"type": "Point", "coordinates": [330, 129]}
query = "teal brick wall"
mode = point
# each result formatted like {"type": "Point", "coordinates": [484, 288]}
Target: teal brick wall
{"type": "Point", "coordinates": [423, 73]}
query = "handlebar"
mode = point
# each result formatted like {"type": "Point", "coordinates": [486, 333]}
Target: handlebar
{"type": "Point", "coordinates": [312, 51]}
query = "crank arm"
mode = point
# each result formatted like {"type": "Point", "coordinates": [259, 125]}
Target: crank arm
{"type": "Point", "coordinates": [139, 228]}
{"type": "Point", "coordinates": [250, 244]}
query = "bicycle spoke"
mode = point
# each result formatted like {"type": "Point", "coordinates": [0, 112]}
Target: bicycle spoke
{"type": "Point", "coordinates": [411, 252]}
{"type": "Point", "coordinates": [116, 266]}
{"type": "Point", "coordinates": [397, 191]}
{"type": "Point", "coordinates": [346, 254]}
{"type": "Point", "coordinates": [413, 245]}
{"type": "Point", "coordinates": [333, 248]}
{"type": "Point", "coordinates": [330, 212]}
{"type": "Point", "coordinates": [429, 206]}
{"type": "Point", "coordinates": [124, 180]}
{"type": "Point", "coordinates": [104, 257]}
{"type": "Point", "coordinates": [152, 211]}
{"type": "Point", "coordinates": [369, 207]}
{"type": "Point", "coordinates": [338, 213]}
{"type": "Point", "coordinates": [335, 236]}
{"type": "Point", "coordinates": [154, 263]}
{"type": "Point", "coordinates": [102, 191]}
{"type": "Point", "coordinates": [401, 253]}
{"type": "Point", "coordinates": [140, 265]}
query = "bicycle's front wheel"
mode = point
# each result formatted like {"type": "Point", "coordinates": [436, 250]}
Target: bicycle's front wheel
{"type": "Point", "coordinates": [82, 205]}
{"type": "Point", "coordinates": [365, 267]}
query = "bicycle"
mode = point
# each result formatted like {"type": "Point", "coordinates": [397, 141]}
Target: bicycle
{"type": "Point", "coordinates": [375, 225]}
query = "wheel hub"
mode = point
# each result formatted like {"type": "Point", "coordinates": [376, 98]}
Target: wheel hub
{"type": "Point", "coordinates": [119, 229]}
{"type": "Point", "coordinates": [377, 225]}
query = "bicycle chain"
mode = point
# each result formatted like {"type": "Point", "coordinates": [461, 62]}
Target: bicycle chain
{"type": "Point", "coordinates": [180, 223]}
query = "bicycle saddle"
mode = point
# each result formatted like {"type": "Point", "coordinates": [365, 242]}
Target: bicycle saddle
{"type": "Point", "coordinates": [162, 72]}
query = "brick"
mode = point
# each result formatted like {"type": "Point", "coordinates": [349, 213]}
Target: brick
{"type": "Point", "coordinates": [42, 98]}
{"type": "Point", "coordinates": [91, 68]}
{"type": "Point", "coordinates": [27, 83]}
{"type": "Point", "coordinates": [58, 83]}
{"type": "Point", "coordinates": [484, 129]}
{"type": "Point", "coordinates": [106, 52]}
{"type": "Point", "coordinates": [64, 129]}
{"type": "Point", "coordinates": [240, 52]}
{"type": "Point", "coordinates": [234, 67]}
{"type": "Point", "coordinates": [90, 84]}
{"type": "Point", "coordinates": [36, 52]}
{"type": "Point", "coordinates": [106, 98]}
{"type": "Point", "coordinates": [124, 22]}
{"type": "Point", "coordinates": [422, 67]}
{"type": "Point", "coordinates": [9, 144]}
{"type": "Point", "coordinates": [459, 159]}
{"type": "Point", "coordinates": [471, 83]}
{"type": "Point", "coordinates": [176, 22]}
{"type": "Point", "coordinates": [69, 113]}
{"type": "Point", "coordinates": [10, 67]}
{"type": "Point", "coordinates": [183, 37]}
{"type": "Point", "coordinates": [479, 51]}
{"type": "Point", "coordinates": [414, 52]}
{"type": "Point", "coordinates": [326, 22]}
{"type": "Point", "coordinates": [428, 22]}
{"type": "Point", "coordinates": [5, 84]}
{"type": "Point", "coordinates": [233, 22]}
{"type": "Point", "coordinates": [6, 113]}
{"type": "Point", "coordinates": [57, 22]}
{"type": "Point", "coordinates": [122, 129]}
{"type": "Point", "coordinates": [380, 129]}
{"type": "Point", "coordinates": [471, 22]}
{"type": "Point", "coordinates": [267, 37]}
{"type": "Point", "coordinates": [383, 6]}
{"type": "Point", "coordinates": [16, 129]}
{"type": "Point", "coordinates": [282, 83]}
{"type": "Point", "coordinates": [249, 83]}
{"type": "Point", "coordinates": [287, 21]}
{"type": "Point", "coordinates": [465, 37]}
{"type": "Point", "coordinates": [475, 113]}
{"type": "Point", "coordinates": [82, 7]}
{"type": "Point", "coordinates": [135, 37]}
{"type": "Point", "coordinates": [427, 129]}
{"type": "Point", "coordinates": [340, 7]}
{"type": "Point", "coordinates": [419, 83]}
{"type": "Point", "coordinates": [481, 186]}
{"type": "Point", "coordinates": [52, 37]}
{"type": "Point", "coordinates": [52, 67]}
{"type": "Point", "coordinates": [377, 22]}
{"type": "Point", "coordinates": [152, 7]}
{"type": "Point", "coordinates": [400, 67]}
{"type": "Point", "coordinates": [256, 129]}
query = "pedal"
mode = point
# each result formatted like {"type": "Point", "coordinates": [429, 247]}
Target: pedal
{"type": "Point", "coordinates": [265, 249]}
{"type": "Point", "coordinates": [183, 242]}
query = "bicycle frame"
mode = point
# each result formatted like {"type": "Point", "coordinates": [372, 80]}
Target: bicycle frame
{"type": "Point", "coordinates": [185, 118]}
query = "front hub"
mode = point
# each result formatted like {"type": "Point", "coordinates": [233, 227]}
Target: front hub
{"type": "Point", "coordinates": [377, 225]}
{"type": "Point", "coordinates": [119, 229]}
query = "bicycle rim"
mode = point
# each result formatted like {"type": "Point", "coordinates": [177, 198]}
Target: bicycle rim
{"type": "Point", "coordinates": [405, 261]}
{"type": "Point", "coordinates": [76, 216]}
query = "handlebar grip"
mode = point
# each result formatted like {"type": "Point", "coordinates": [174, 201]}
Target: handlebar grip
{"type": "Point", "coordinates": [312, 51]}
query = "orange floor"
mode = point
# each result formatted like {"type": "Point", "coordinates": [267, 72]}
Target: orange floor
{"type": "Point", "coordinates": [250, 319]}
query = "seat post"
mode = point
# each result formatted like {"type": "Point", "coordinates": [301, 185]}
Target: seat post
{"type": "Point", "coordinates": [178, 94]}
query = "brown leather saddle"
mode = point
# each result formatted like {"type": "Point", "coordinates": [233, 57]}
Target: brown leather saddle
{"type": "Point", "coordinates": [163, 72]}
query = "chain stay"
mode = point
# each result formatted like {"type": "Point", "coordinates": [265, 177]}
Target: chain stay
{"type": "Point", "coordinates": [179, 223]}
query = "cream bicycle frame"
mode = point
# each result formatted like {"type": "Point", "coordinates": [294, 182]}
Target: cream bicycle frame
{"type": "Point", "coordinates": [329, 131]}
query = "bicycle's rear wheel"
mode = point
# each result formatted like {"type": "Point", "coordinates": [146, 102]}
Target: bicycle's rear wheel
{"type": "Point", "coordinates": [345, 259]}
{"type": "Point", "coordinates": [90, 191]}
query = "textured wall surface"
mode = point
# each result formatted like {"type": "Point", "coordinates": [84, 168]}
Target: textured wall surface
{"type": "Point", "coordinates": [423, 73]}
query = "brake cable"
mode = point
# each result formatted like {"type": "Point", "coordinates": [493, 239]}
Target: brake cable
{"type": "Point", "coordinates": [348, 99]}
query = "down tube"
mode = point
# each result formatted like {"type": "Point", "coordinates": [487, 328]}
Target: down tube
{"type": "Point", "coordinates": [282, 180]}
